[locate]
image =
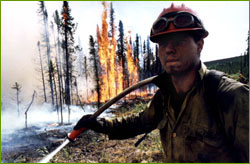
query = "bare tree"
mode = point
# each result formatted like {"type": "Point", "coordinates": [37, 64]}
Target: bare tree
{"type": "Point", "coordinates": [68, 29]}
{"type": "Point", "coordinates": [53, 71]}
{"type": "Point", "coordinates": [58, 22]}
{"type": "Point", "coordinates": [41, 64]}
{"type": "Point", "coordinates": [17, 87]}
{"type": "Point", "coordinates": [43, 12]}
{"type": "Point", "coordinates": [26, 112]}
{"type": "Point", "coordinates": [60, 91]}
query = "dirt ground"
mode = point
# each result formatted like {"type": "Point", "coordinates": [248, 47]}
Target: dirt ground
{"type": "Point", "coordinates": [97, 148]}
{"type": "Point", "coordinates": [90, 147]}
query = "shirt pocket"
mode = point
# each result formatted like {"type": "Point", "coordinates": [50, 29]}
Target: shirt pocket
{"type": "Point", "coordinates": [193, 143]}
{"type": "Point", "coordinates": [202, 144]}
{"type": "Point", "coordinates": [211, 134]}
{"type": "Point", "coordinates": [213, 139]}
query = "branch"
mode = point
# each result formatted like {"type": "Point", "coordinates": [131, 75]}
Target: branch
{"type": "Point", "coordinates": [30, 102]}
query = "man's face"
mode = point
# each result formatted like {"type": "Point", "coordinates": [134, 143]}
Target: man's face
{"type": "Point", "coordinates": [179, 53]}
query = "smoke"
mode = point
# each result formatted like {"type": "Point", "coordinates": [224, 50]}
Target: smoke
{"type": "Point", "coordinates": [42, 124]}
{"type": "Point", "coordinates": [39, 116]}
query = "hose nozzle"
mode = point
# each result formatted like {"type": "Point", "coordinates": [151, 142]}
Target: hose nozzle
{"type": "Point", "coordinates": [75, 133]}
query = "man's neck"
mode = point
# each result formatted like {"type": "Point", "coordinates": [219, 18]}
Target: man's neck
{"type": "Point", "coordinates": [184, 82]}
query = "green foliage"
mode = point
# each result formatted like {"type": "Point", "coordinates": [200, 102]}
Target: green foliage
{"type": "Point", "coordinates": [232, 66]}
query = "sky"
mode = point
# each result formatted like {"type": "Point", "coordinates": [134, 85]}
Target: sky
{"type": "Point", "coordinates": [21, 29]}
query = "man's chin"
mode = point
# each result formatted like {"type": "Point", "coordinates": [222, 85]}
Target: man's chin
{"type": "Point", "coordinates": [173, 71]}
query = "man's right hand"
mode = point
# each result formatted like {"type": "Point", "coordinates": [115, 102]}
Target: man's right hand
{"type": "Point", "coordinates": [86, 122]}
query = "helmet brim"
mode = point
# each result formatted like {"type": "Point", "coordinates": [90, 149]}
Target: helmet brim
{"type": "Point", "coordinates": [155, 38]}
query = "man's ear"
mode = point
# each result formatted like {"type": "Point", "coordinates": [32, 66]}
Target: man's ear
{"type": "Point", "coordinates": [200, 44]}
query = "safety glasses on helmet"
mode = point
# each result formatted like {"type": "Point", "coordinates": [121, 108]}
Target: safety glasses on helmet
{"type": "Point", "coordinates": [179, 19]}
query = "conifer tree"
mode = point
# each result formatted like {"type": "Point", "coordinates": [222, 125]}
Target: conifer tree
{"type": "Point", "coordinates": [43, 12]}
{"type": "Point", "coordinates": [121, 54]}
{"type": "Point", "coordinates": [68, 29]}
{"type": "Point", "coordinates": [95, 62]}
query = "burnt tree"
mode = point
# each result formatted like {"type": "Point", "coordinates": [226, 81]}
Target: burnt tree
{"type": "Point", "coordinates": [43, 13]}
{"type": "Point", "coordinates": [17, 87]}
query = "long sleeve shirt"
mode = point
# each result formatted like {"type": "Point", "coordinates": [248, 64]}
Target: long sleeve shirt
{"type": "Point", "coordinates": [201, 130]}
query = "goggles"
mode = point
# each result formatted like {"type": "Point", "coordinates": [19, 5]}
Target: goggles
{"type": "Point", "coordinates": [179, 19]}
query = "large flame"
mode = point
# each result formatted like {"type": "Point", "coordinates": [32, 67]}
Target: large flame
{"type": "Point", "coordinates": [111, 77]}
{"type": "Point", "coordinates": [107, 55]}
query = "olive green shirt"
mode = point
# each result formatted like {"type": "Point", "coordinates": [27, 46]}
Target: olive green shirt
{"type": "Point", "coordinates": [200, 131]}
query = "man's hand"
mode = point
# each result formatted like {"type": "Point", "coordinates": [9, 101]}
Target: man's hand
{"type": "Point", "coordinates": [88, 123]}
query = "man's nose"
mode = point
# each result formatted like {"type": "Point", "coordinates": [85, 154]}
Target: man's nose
{"type": "Point", "coordinates": [170, 48]}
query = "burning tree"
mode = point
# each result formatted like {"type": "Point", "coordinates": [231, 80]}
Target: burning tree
{"type": "Point", "coordinates": [95, 65]}
{"type": "Point", "coordinates": [115, 62]}
{"type": "Point", "coordinates": [132, 69]}
{"type": "Point", "coordinates": [118, 69]}
{"type": "Point", "coordinates": [122, 56]}
{"type": "Point", "coordinates": [106, 52]}
{"type": "Point", "coordinates": [17, 87]}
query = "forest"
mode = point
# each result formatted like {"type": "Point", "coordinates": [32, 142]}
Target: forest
{"type": "Point", "coordinates": [236, 67]}
{"type": "Point", "coordinates": [113, 63]}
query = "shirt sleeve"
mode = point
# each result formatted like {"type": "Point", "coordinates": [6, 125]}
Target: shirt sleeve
{"type": "Point", "coordinates": [144, 122]}
{"type": "Point", "coordinates": [234, 103]}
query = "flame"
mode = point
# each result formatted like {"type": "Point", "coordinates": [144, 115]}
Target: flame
{"type": "Point", "coordinates": [103, 51]}
{"type": "Point", "coordinates": [132, 69]}
{"type": "Point", "coordinates": [107, 55]}
{"type": "Point", "coordinates": [120, 78]}
{"type": "Point", "coordinates": [111, 77]}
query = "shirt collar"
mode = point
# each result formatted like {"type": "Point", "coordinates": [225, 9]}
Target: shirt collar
{"type": "Point", "coordinates": [202, 71]}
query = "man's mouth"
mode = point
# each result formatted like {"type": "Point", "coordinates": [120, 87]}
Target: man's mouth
{"type": "Point", "coordinates": [171, 60]}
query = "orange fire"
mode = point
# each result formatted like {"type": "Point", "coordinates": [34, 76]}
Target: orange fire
{"type": "Point", "coordinates": [132, 69]}
{"type": "Point", "coordinates": [111, 78]}
{"type": "Point", "coordinates": [110, 86]}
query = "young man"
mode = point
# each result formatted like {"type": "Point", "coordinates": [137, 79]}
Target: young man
{"type": "Point", "coordinates": [202, 116]}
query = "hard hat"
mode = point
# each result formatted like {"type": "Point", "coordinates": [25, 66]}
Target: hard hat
{"type": "Point", "coordinates": [177, 19]}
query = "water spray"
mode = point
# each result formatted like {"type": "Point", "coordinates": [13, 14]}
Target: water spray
{"type": "Point", "coordinates": [75, 133]}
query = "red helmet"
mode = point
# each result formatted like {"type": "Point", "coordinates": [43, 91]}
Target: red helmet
{"type": "Point", "coordinates": [176, 19]}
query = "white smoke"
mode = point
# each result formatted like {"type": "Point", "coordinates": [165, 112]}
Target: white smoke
{"type": "Point", "coordinates": [39, 115]}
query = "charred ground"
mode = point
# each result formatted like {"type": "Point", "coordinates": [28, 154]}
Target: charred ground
{"type": "Point", "coordinates": [90, 147]}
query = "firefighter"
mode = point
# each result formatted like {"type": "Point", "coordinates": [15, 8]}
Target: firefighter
{"type": "Point", "coordinates": [202, 116]}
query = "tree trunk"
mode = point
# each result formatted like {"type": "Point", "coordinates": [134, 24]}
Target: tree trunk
{"type": "Point", "coordinates": [54, 81]}
{"type": "Point", "coordinates": [60, 91]}
{"type": "Point", "coordinates": [26, 112]}
{"type": "Point", "coordinates": [41, 63]}
{"type": "Point", "coordinates": [67, 79]}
